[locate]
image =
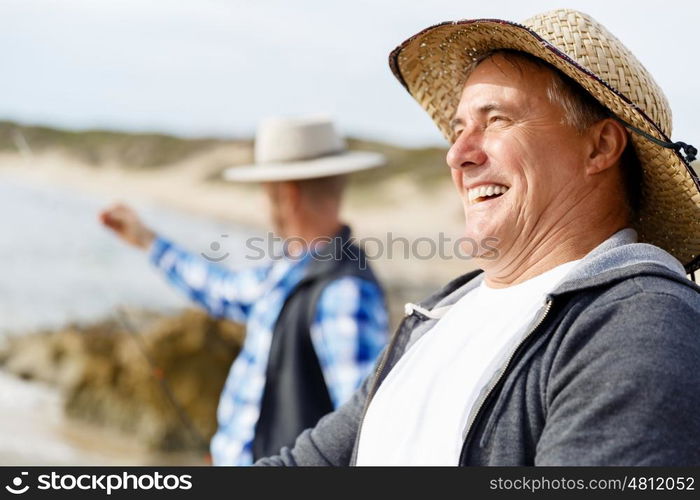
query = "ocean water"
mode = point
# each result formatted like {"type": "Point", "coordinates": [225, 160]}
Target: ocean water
{"type": "Point", "coordinates": [35, 431]}
{"type": "Point", "coordinates": [59, 264]}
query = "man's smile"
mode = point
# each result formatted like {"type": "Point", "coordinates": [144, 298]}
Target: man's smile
{"type": "Point", "coordinates": [484, 192]}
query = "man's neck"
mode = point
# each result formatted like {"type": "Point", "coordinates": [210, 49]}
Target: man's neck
{"type": "Point", "coordinates": [545, 252]}
{"type": "Point", "coordinates": [310, 235]}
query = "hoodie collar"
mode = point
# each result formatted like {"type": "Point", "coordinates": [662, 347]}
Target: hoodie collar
{"type": "Point", "coordinates": [616, 258]}
{"type": "Point", "coordinates": [619, 257]}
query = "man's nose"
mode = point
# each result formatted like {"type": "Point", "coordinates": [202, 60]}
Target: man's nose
{"type": "Point", "coordinates": [466, 151]}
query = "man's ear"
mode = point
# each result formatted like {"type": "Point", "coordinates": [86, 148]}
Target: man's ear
{"type": "Point", "coordinates": [608, 141]}
{"type": "Point", "coordinates": [290, 196]}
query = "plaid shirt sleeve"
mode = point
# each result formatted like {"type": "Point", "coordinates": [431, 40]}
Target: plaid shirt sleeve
{"type": "Point", "coordinates": [350, 329]}
{"type": "Point", "coordinates": [221, 291]}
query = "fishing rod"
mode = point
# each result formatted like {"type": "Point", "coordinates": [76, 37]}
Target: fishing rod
{"type": "Point", "coordinates": [159, 375]}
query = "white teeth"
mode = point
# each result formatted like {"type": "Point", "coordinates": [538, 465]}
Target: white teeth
{"type": "Point", "coordinates": [485, 190]}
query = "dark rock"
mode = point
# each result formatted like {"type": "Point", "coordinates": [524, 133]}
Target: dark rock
{"type": "Point", "coordinates": [104, 372]}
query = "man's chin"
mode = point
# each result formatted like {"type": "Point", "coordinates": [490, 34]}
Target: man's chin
{"type": "Point", "coordinates": [481, 245]}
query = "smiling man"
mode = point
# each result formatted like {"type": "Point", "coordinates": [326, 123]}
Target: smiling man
{"type": "Point", "coordinates": [576, 343]}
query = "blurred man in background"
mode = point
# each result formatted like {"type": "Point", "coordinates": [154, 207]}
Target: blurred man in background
{"type": "Point", "coordinates": [315, 319]}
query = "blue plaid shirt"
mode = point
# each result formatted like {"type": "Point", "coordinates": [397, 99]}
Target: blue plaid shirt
{"type": "Point", "coordinates": [349, 330]}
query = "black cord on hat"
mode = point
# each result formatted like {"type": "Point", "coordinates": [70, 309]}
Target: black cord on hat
{"type": "Point", "coordinates": [688, 151]}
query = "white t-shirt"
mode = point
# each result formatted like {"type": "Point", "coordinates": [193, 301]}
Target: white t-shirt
{"type": "Point", "coordinates": [419, 412]}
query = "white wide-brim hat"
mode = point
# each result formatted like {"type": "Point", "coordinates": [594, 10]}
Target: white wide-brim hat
{"type": "Point", "coordinates": [301, 148]}
{"type": "Point", "coordinates": [432, 66]}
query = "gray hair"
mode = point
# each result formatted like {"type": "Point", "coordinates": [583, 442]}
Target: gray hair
{"type": "Point", "coordinates": [581, 110]}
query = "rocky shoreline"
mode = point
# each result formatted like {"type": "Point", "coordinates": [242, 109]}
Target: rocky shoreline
{"type": "Point", "coordinates": [103, 376]}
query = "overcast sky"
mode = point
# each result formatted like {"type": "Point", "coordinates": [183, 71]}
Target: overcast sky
{"type": "Point", "coordinates": [215, 67]}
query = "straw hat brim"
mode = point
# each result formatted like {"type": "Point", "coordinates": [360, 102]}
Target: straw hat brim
{"type": "Point", "coordinates": [432, 64]}
{"type": "Point", "coordinates": [325, 166]}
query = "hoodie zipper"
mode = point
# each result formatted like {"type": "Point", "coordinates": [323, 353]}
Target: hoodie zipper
{"type": "Point", "coordinates": [475, 415]}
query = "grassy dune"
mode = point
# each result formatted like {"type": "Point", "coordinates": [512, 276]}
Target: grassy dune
{"type": "Point", "coordinates": [150, 150]}
{"type": "Point", "coordinates": [98, 147]}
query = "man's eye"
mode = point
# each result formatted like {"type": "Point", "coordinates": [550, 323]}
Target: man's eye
{"type": "Point", "coordinates": [496, 119]}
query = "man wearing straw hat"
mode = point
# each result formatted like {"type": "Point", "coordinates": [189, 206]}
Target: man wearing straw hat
{"type": "Point", "coordinates": [315, 319]}
{"type": "Point", "coordinates": [577, 342]}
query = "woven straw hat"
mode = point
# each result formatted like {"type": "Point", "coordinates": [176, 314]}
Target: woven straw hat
{"type": "Point", "coordinates": [432, 66]}
{"type": "Point", "coordinates": [294, 148]}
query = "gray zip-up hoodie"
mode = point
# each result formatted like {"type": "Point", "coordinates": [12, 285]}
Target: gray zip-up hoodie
{"type": "Point", "coordinates": [607, 374]}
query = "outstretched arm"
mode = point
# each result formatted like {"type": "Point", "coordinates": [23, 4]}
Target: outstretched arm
{"type": "Point", "coordinates": [222, 292]}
